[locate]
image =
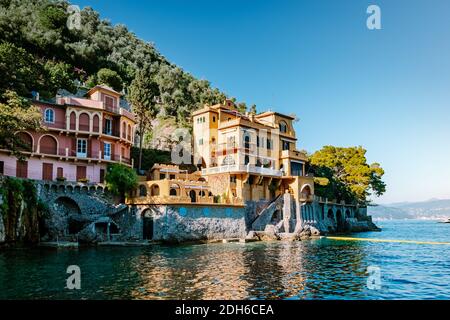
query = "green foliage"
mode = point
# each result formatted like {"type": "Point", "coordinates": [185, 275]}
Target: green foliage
{"type": "Point", "coordinates": [21, 207]}
{"type": "Point", "coordinates": [16, 114]}
{"type": "Point", "coordinates": [150, 157]}
{"type": "Point", "coordinates": [120, 179]}
{"type": "Point", "coordinates": [39, 27]}
{"type": "Point", "coordinates": [108, 77]}
{"type": "Point", "coordinates": [349, 176]}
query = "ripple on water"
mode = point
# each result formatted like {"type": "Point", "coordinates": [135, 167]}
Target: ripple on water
{"type": "Point", "coordinates": [321, 269]}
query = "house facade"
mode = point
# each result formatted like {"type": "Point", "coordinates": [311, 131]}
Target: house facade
{"type": "Point", "coordinates": [80, 137]}
{"type": "Point", "coordinates": [249, 156]}
{"type": "Point", "coordinates": [239, 158]}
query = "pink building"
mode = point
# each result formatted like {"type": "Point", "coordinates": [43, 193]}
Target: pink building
{"type": "Point", "coordinates": [82, 136]}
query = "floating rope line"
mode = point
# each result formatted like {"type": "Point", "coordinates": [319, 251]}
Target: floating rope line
{"type": "Point", "coordinates": [385, 240]}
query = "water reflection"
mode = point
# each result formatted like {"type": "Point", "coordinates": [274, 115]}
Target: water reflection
{"type": "Point", "coordinates": [321, 269]}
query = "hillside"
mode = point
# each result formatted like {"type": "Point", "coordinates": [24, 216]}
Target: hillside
{"type": "Point", "coordinates": [431, 209]}
{"type": "Point", "coordinates": [64, 57]}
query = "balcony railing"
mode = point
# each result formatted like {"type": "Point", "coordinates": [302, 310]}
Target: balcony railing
{"type": "Point", "coordinates": [243, 168]}
{"type": "Point", "coordinates": [72, 153]}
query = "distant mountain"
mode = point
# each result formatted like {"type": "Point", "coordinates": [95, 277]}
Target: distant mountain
{"type": "Point", "coordinates": [432, 209]}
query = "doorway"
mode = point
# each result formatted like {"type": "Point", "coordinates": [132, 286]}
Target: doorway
{"type": "Point", "coordinates": [148, 224]}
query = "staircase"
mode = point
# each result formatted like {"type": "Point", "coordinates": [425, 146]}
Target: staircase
{"type": "Point", "coordinates": [265, 216]}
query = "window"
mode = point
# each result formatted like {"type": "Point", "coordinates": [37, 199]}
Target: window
{"type": "Point", "coordinates": [82, 148]}
{"type": "Point", "coordinates": [214, 119]}
{"type": "Point", "coordinates": [162, 176]}
{"type": "Point", "coordinates": [285, 145]}
{"type": "Point", "coordinates": [49, 116]}
{"type": "Point", "coordinates": [247, 142]}
{"type": "Point", "coordinates": [172, 177]}
{"type": "Point", "coordinates": [107, 151]}
{"type": "Point", "coordinates": [21, 169]}
{"type": "Point", "coordinates": [269, 144]}
{"type": "Point", "coordinates": [108, 126]}
{"type": "Point", "coordinates": [109, 102]}
{"type": "Point", "coordinates": [200, 141]}
{"type": "Point", "coordinates": [246, 160]}
{"type": "Point", "coordinates": [283, 127]}
{"type": "Point", "coordinates": [2, 167]}
{"type": "Point", "coordinates": [296, 169]}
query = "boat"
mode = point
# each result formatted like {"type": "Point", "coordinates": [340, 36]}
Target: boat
{"type": "Point", "coordinates": [445, 221]}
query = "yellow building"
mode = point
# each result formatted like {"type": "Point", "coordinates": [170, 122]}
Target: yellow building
{"type": "Point", "coordinates": [249, 156]}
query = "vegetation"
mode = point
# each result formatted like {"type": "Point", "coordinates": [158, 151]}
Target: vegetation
{"type": "Point", "coordinates": [22, 212]}
{"type": "Point", "coordinates": [120, 179]}
{"type": "Point", "coordinates": [143, 94]}
{"type": "Point", "coordinates": [343, 174]}
{"type": "Point", "coordinates": [16, 114]}
{"type": "Point", "coordinates": [150, 157]}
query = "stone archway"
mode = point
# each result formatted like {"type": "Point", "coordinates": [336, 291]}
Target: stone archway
{"type": "Point", "coordinates": [340, 221]}
{"type": "Point", "coordinates": [147, 224]}
{"type": "Point", "coordinates": [193, 196]}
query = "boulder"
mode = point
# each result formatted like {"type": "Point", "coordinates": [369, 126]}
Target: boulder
{"type": "Point", "coordinates": [88, 235]}
{"type": "Point", "coordinates": [252, 235]}
{"type": "Point", "coordinates": [270, 233]}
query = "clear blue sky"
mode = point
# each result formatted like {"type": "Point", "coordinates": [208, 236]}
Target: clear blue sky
{"type": "Point", "coordinates": [387, 90]}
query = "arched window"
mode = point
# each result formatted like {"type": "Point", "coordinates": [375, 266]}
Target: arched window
{"type": "Point", "coordinates": [283, 127]}
{"type": "Point", "coordinates": [155, 190]}
{"type": "Point", "coordinates": [246, 160]}
{"type": "Point", "coordinates": [247, 141]}
{"type": "Point", "coordinates": [27, 141]}
{"type": "Point", "coordinates": [173, 192]}
{"type": "Point", "coordinates": [83, 122]}
{"type": "Point", "coordinates": [48, 145]}
{"type": "Point", "coordinates": [142, 191]}
{"type": "Point", "coordinates": [49, 116]}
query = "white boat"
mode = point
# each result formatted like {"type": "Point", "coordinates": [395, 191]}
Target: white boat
{"type": "Point", "coordinates": [445, 221]}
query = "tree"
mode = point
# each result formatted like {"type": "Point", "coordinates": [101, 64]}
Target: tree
{"type": "Point", "coordinates": [120, 179]}
{"type": "Point", "coordinates": [18, 69]}
{"type": "Point", "coordinates": [16, 115]}
{"type": "Point", "coordinates": [253, 109]}
{"type": "Point", "coordinates": [108, 77]}
{"type": "Point", "coordinates": [142, 95]}
{"type": "Point", "coordinates": [349, 175]}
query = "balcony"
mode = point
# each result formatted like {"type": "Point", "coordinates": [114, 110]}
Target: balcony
{"type": "Point", "coordinates": [68, 153]}
{"type": "Point", "coordinates": [293, 154]}
{"type": "Point", "coordinates": [236, 168]}
{"type": "Point", "coordinates": [94, 104]}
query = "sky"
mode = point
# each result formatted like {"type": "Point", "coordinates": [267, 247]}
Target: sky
{"type": "Point", "coordinates": [387, 90]}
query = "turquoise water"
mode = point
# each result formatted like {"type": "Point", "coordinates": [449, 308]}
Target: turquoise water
{"type": "Point", "coordinates": [318, 269]}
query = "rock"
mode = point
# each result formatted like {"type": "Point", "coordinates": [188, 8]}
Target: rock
{"type": "Point", "coordinates": [88, 235]}
{"type": "Point", "coordinates": [270, 233]}
{"type": "Point", "coordinates": [314, 231]}
{"type": "Point", "coordinates": [252, 235]}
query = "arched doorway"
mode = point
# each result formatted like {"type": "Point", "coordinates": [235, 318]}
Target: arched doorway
{"type": "Point", "coordinates": [155, 190]}
{"type": "Point", "coordinates": [147, 225]}
{"type": "Point", "coordinates": [70, 209]}
{"type": "Point", "coordinates": [340, 225]}
{"type": "Point", "coordinates": [193, 196]}
{"type": "Point", "coordinates": [348, 214]}
{"type": "Point", "coordinates": [48, 145]}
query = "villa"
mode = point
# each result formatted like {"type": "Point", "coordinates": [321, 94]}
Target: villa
{"type": "Point", "coordinates": [240, 157]}
{"type": "Point", "coordinates": [80, 137]}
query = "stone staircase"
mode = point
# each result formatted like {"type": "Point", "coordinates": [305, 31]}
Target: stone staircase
{"type": "Point", "coordinates": [265, 216]}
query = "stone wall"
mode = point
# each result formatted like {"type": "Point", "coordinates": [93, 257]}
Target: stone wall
{"type": "Point", "coordinates": [177, 223]}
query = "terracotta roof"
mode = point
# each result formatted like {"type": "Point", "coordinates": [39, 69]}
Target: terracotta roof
{"type": "Point", "coordinates": [103, 87]}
